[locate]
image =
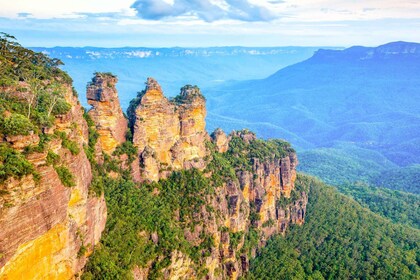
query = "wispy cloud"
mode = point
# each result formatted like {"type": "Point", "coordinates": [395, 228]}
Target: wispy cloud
{"type": "Point", "coordinates": [188, 22]}
{"type": "Point", "coordinates": [206, 10]}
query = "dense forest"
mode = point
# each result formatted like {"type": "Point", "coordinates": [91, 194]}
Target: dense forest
{"type": "Point", "coordinates": [347, 164]}
{"type": "Point", "coordinates": [340, 240]}
{"type": "Point", "coordinates": [399, 207]}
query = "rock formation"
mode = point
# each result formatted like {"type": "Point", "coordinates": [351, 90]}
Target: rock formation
{"type": "Point", "coordinates": [48, 229]}
{"type": "Point", "coordinates": [169, 135]}
{"type": "Point", "coordinates": [260, 199]}
{"type": "Point", "coordinates": [106, 112]}
{"type": "Point", "coordinates": [220, 140]}
{"type": "Point", "coordinates": [256, 204]}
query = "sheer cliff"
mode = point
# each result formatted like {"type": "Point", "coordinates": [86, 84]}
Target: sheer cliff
{"type": "Point", "coordinates": [111, 125]}
{"type": "Point", "coordinates": [49, 218]}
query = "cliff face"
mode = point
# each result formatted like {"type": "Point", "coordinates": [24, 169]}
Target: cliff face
{"type": "Point", "coordinates": [258, 198]}
{"type": "Point", "coordinates": [106, 112]}
{"type": "Point", "coordinates": [47, 228]}
{"type": "Point", "coordinates": [169, 135]}
{"type": "Point", "coordinates": [257, 201]}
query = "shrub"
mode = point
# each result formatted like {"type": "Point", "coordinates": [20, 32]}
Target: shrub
{"type": "Point", "coordinates": [66, 178]}
{"type": "Point", "coordinates": [13, 164]}
{"type": "Point", "coordinates": [17, 124]}
{"type": "Point", "coordinates": [52, 158]}
{"type": "Point", "coordinates": [68, 144]}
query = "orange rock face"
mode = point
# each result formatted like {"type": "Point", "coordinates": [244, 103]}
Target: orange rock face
{"type": "Point", "coordinates": [220, 139]}
{"type": "Point", "coordinates": [106, 112]}
{"type": "Point", "coordinates": [169, 135]}
{"type": "Point", "coordinates": [44, 224]}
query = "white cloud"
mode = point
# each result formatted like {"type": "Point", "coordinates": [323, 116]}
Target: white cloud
{"type": "Point", "coordinates": [251, 22]}
{"type": "Point", "coordinates": [216, 10]}
{"type": "Point", "coordinates": [46, 9]}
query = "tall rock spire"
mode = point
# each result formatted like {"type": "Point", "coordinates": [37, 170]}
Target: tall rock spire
{"type": "Point", "coordinates": [106, 111]}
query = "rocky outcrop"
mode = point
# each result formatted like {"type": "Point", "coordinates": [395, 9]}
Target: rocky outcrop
{"type": "Point", "coordinates": [106, 112]}
{"type": "Point", "coordinates": [48, 229]}
{"type": "Point", "coordinates": [220, 139]}
{"type": "Point", "coordinates": [169, 134]}
{"type": "Point", "coordinates": [259, 199]}
{"type": "Point", "coordinates": [257, 202]}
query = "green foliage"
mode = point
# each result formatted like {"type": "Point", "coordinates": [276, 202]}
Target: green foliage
{"type": "Point", "coordinates": [241, 154]}
{"type": "Point", "coordinates": [277, 261]}
{"type": "Point", "coordinates": [397, 206]}
{"type": "Point", "coordinates": [13, 164]}
{"type": "Point", "coordinates": [18, 64]}
{"type": "Point", "coordinates": [342, 240]}
{"type": "Point", "coordinates": [404, 179]}
{"type": "Point", "coordinates": [128, 149]}
{"type": "Point", "coordinates": [72, 146]}
{"type": "Point", "coordinates": [235, 238]}
{"type": "Point", "coordinates": [82, 251]}
{"type": "Point", "coordinates": [346, 164]}
{"type": "Point", "coordinates": [135, 212]}
{"type": "Point", "coordinates": [52, 158]}
{"type": "Point", "coordinates": [37, 86]}
{"type": "Point", "coordinates": [66, 177]}
{"type": "Point", "coordinates": [16, 124]}
{"type": "Point", "coordinates": [93, 139]}
{"type": "Point", "coordinates": [251, 240]}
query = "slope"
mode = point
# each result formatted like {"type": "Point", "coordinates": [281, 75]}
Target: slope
{"type": "Point", "coordinates": [340, 240]}
{"type": "Point", "coordinates": [365, 96]}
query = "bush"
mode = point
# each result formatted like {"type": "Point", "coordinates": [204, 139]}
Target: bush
{"type": "Point", "coordinates": [52, 158]}
{"type": "Point", "coordinates": [72, 146]}
{"type": "Point", "coordinates": [66, 178]}
{"type": "Point", "coordinates": [17, 124]}
{"type": "Point", "coordinates": [13, 164]}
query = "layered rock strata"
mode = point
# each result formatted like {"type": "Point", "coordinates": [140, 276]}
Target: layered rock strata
{"type": "Point", "coordinates": [256, 204]}
{"type": "Point", "coordinates": [106, 111]}
{"type": "Point", "coordinates": [47, 229]}
{"type": "Point", "coordinates": [169, 134]}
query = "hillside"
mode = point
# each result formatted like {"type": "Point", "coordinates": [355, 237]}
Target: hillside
{"type": "Point", "coordinates": [340, 240]}
{"type": "Point", "coordinates": [179, 203]}
{"type": "Point", "coordinates": [399, 207]}
{"type": "Point", "coordinates": [363, 96]}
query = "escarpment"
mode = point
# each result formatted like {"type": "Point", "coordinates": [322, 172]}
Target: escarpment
{"type": "Point", "coordinates": [169, 134]}
{"type": "Point", "coordinates": [49, 218]}
{"type": "Point", "coordinates": [182, 204]}
{"type": "Point", "coordinates": [225, 195]}
{"type": "Point", "coordinates": [106, 112]}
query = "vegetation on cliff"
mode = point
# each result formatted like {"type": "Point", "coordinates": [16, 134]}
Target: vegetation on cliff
{"type": "Point", "coordinates": [31, 97]}
{"type": "Point", "coordinates": [147, 223]}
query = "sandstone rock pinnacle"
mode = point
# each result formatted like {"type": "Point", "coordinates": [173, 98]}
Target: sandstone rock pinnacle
{"type": "Point", "coordinates": [106, 111]}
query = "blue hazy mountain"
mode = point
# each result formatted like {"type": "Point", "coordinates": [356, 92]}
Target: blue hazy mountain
{"type": "Point", "coordinates": [362, 97]}
{"type": "Point", "coordinates": [353, 114]}
{"type": "Point", "coordinates": [173, 67]}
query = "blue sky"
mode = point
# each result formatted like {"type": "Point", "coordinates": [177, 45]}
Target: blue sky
{"type": "Point", "coordinates": [200, 23]}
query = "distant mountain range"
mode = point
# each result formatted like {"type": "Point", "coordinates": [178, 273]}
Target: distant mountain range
{"type": "Point", "coordinates": [173, 67]}
{"type": "Point", "coordinates": [360, 96]}
{"type": "Point", "coordinates": [353, 110]}
{"type": "Point", "coordinates": [354, 113]}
